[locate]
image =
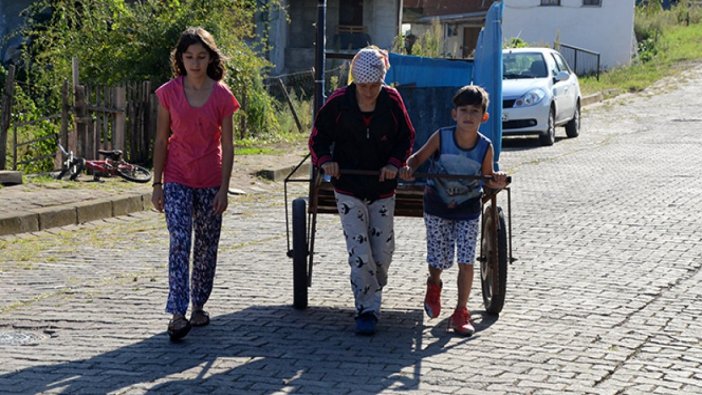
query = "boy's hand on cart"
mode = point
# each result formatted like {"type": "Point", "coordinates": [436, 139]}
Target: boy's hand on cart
{"type": "Point", "coordinates": [407, 173]}
{"type": "Point", "coordinates": [498, 180]}
{"type": "Point", "coordinates": [388, 172]}
{"type": "Point", "coordinates": [332, 169]}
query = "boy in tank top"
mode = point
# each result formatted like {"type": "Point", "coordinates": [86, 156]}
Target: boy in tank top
{"type": "Point", "coordinates": [452, 206]}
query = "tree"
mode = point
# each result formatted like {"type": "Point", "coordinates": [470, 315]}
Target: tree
{"type": "Point", "coordinates": [117, 41]}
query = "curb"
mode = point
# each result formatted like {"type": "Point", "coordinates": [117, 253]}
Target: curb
{"type": "Point", "coordinates": [282, 173]}
{"type": "Point", "coordinates": [591, 99]}
{"type": "Point", "coordinates": [10, 177]}
{"type": "Point", "coordinates": [97, 209]}
{"type": "Point", "coordinates": [73, 214]}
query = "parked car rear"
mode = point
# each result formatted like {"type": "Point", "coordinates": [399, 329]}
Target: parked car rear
{"type": "Point", "coordinates": [539, 92]}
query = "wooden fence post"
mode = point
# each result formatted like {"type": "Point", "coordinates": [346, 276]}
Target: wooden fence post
{"type": "Point", "coordinates": [120, 117]}
{"type": "Point", "coordinates": [63, 138]}
{"type": "Point", "coordinates": [153, 116]}
{"type": "Point", "coordinates": [7, 97]}
{"type": "Point", "coordinates": [82, 124]}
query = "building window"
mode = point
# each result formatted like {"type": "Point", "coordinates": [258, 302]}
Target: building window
{"type": "Point", "coordinates": [550, 2]}
{"type": "Point", "coordinates": [351, 34]}
{"type": "Point", "coordinates": [351, 13]}
{"type": "Point", "coordinates": [595, 3]}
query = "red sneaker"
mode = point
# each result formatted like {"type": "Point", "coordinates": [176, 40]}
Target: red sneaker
{"type": "Point", "coordinates": [460, 322]}
{"type": "Point", "coordinates": [432, 299]}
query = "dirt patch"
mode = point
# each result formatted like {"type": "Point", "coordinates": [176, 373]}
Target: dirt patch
{"type": "Point", "coordinates": [246, 167]}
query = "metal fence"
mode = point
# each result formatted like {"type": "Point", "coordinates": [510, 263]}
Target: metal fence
{"type": "Point", "coordinates": [582, 61]}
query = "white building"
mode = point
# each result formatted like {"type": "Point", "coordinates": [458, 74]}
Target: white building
{"type": "Point", "coordinates": [602, 26]}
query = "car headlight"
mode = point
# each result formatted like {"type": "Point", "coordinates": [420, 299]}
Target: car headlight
{"type": "Point", "coordinates": [530, 98]}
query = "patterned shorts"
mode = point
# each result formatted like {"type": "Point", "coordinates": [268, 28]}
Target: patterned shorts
{"type": "Point", "coordinates": [445, 236]}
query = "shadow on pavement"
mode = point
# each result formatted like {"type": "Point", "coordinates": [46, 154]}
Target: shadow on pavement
{"type": "Point", "coordinates": [261, 349]}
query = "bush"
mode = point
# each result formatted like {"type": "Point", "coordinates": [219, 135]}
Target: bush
{"type": "Point", "coordinates": [652, 21]}
{"type": "Point", "coordinates": [116, 41]}
{"type": "Point", "coordinates": [27, 121]}
{"type": "Point", "coordinates": [516, 42]}
{"type": "Point", "coordinates": [430, 44]}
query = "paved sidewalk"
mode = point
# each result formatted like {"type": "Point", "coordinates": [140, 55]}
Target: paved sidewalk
{"type": "Point", "coordinates": [33, 207]}
{"type": "Point", "coordinates": [606, 296]}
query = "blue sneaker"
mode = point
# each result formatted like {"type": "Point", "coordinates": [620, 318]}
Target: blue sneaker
{"type": "Point", "coordinates": [365, 324]}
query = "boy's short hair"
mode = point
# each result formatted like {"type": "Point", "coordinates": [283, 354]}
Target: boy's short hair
{"type": "Point", "coordinates": [471, 95]}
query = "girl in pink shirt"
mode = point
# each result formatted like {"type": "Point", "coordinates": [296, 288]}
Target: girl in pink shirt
{"type": "Point", "coordinates": [193, 157]}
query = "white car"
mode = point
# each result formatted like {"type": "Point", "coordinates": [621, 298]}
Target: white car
{"type": "Point", "coordinates": [539, 92]}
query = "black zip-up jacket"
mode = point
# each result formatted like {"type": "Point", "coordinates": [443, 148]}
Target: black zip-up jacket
{"type": "Point", "coordinates": [340, 135]}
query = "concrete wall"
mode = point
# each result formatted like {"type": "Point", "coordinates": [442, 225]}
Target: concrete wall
{"type": "Point", "coordinates": [608, 29]}
{"type": "Point", "coordinates": [298, 37]}
{"type": "Point", "coordinates": [381, 17]}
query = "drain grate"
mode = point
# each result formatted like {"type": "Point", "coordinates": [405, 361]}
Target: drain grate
{"type": "Point", "coordinates": [16, 338]}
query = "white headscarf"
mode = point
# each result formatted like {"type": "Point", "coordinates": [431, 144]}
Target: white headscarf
{"type": "Point", "coordinates": [369, 65]}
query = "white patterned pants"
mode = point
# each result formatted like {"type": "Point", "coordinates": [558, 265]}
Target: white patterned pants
{"type": "Point", "coordinates": [446, 236]}
{"type": "Point", "coordinates": [370, 241]}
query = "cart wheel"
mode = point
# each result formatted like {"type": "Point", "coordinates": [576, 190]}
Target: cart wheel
{"type": "Point", "coordinates": [299, 242]}
{"type": "Point", "coordinates": [493, 262]}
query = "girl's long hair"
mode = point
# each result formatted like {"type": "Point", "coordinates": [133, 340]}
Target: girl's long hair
{"type": "Point", "coordinates": [198, 35]}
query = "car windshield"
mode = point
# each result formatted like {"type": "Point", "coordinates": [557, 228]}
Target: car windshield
{"type": "Point", "coordinates": [523, 65]}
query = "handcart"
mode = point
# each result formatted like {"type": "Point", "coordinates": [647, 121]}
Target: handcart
{"type": "Point", "coordinates": [495, 236]}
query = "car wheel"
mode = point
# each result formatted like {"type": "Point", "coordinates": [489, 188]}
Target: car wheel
{"type": "Point", "coordinates": [573, 126]}
{"type": "Point", "coordinates": [548, 137]}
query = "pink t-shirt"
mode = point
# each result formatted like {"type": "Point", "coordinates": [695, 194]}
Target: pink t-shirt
{"type": "Point", "coordinates": [194, 156]}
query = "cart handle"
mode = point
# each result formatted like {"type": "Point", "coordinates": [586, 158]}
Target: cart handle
{"type": "Point", "coordinates": [354, 172]}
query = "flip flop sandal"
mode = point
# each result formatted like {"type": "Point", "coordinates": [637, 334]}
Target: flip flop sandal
{"type": "Point", "coordinates": [199, 318]}
{"type": "Point", "coordinates": [178, 328]}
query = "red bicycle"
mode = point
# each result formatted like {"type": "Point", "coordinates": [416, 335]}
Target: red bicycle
{"type": "Point", "coordinates": [112, 165]}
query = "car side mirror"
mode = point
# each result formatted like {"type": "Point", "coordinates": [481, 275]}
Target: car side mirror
{"type": "Point", "coordinates": [561, 76]}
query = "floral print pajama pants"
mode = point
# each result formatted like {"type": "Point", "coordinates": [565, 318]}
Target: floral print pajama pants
{"type": "Point", "coordinates": [189, 209]}
{"type": "Point", "coordinates": [370, 241]}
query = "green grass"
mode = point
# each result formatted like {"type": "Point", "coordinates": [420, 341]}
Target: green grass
{"type": "Point", "coordinates": [678, 45]}
{"type": "Point", "coordinates": [270, 146]}
{"type": "Point", "coordinates": [254, 150]}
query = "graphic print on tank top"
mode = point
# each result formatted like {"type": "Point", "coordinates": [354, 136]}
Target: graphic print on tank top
{"type": "Point", "coordinates": [455, 160]}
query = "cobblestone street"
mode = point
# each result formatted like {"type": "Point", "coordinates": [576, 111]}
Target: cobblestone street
{"type": "Point", "coordinates": [605, 297]}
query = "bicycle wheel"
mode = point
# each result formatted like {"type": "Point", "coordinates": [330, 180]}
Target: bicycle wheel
{"type": "Point", "coordinates": [75, 169]}
{"type": "Point", "coordinates": [133, 173]}
{"type": "Point", "coordinates": [62, 173]}
{"type": "Point", "coordinates": [299, 240]}
{"type": "Point", "coordinates": [70, 167]}
{"type": "Point", "coordinates": [493, 262]}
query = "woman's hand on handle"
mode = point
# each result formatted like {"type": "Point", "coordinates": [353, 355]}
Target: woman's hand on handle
{"type": "Point", "coordinates": [332, 169]}
{"type": "Point", "coordinates": [388, 172]}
